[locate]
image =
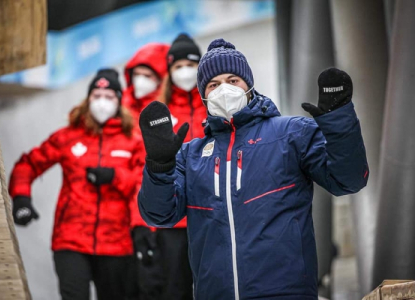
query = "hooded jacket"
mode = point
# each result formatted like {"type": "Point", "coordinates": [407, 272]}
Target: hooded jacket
{"type": "Point", "coordinates": [152, 55]}
{"type": "Point", "coordinates": [88, 219]}
{"type": "Point", "coordinates": [247, 189]}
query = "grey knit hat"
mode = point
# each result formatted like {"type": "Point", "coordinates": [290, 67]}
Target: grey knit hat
{"type": "Point", "coordinates": [222, 58]}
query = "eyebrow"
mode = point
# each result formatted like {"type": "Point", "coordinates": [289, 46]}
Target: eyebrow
{"type": "Point", "coordinates": [229, 77]}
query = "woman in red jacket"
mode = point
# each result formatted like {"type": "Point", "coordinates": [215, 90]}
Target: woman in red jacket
{"type": "Point", "coordinates": [100, 159]}
{"type": "Point", "coordinates": [180, 93]}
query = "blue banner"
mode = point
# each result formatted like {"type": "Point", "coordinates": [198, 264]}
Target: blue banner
{"type": "Point", "coordinates": [113, 38]}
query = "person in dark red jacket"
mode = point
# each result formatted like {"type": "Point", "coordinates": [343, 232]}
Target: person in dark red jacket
{"type": "Point", "coordinates": [180, 93]}
{"type": "Point", "coordinates": [144, 74]}
{"type": "Point", "coordinates": [100, 156]}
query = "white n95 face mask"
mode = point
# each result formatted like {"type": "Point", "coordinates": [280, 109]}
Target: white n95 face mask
{"type": "Point", "coordinates": [185, 78]}
{"type": "Point", "coordinates": [226, 100]}
{"type": "Point", "coordinates": [143, 86]}
{"type": "Point", "coordinates": [103, 109]}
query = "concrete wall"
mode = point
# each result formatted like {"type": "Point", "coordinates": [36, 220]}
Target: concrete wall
{"type": "Point", "coordinates": [25, 121]}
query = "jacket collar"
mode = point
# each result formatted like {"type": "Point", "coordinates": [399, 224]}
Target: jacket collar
{"type": "Point", "coordinates": [180, 97]}
{"type": "Point", "coordinates": [260, 108]}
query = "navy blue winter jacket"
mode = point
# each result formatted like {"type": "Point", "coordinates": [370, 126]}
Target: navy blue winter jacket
{"type": "Point", "coordinates": [247, 189]}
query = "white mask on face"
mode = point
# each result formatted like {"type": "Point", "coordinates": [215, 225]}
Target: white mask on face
{"type": "Point", "coordinates": [103, 109]}
{"type": "Point", "coordinates": [226, 100]}
{"type": "Point", "coordinates": [185, 78]}
{"type": "Point", "coordinates": [143, 86]}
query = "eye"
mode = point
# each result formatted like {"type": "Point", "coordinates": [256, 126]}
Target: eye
{"type": "Point", "coordinates": [212, 85]}
{"type": "Point", "coordinates": [233, 81]}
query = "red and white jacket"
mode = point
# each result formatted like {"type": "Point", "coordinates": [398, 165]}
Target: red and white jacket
{"type": "Point", "coordinates": [88, 219]}
{"type": "Point", "coordinates": [152, 55]}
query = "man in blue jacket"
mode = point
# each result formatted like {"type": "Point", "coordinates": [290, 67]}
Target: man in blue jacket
{"type": "Point", "coordinates": [247, 186]}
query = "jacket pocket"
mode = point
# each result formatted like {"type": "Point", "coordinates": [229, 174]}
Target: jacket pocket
{"type": "Point", "coordinates": [239, 171]}
{"type": "Point", "coordinates": [216, 178]}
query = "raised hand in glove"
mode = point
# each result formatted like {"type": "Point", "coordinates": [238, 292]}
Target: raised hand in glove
{"type": "Point", "coordinates": [23, 211]}
{"type": "Point", "coordinates": [335, 90]}
{"type": "Point", "coordinates": [100, 175]}
{"type": "Point", "coordinates": [161, 143]}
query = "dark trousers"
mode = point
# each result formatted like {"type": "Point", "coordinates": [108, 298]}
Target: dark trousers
{"type": "Point", "coordinates": [110, 275]}
{"type": "Point", "coordinates": [165, 273]}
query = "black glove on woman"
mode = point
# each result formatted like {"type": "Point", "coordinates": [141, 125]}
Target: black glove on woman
{"type": "Point", "coordinates": [23, 211]}
{"type": "Point", "coordinates": [100, 175]}
{"type": "Point", "coordinates": [335, 90]}
{"type": "Point", "coordinates": [161, 143]}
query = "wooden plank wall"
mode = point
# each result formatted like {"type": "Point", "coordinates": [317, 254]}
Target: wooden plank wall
{"type": "Point", "coordinates": [23, 27]}
{"type": "Point", "coordinates": [13, 281]}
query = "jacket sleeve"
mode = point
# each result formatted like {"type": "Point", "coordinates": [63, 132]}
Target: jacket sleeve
{"type": "Point", "coordinates": [127, 180]}
{"type": "Point", "coordinates": [333, 153]}
{"type": "Point", "coordinates": [33, 164]}
{"type": "Point", "coordinates": [162, 198]}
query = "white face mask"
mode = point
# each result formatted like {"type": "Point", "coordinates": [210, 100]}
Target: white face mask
{"type": "Point", "coordinates": [226, 100]}
{"type": "Point", "coordinates": [143, 86]}
{"type": "Point", "coordinates": [185, 78]}
{"type": "Point", "coordinates": [103, 109]}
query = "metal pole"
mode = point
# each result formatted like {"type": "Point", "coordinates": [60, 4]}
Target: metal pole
{"type": "Point", "coordinates": [395, 232]}
{"type": "Point", "coordinates": [311, 51]}
{"type": "Point", "coordinates": [361, 50]}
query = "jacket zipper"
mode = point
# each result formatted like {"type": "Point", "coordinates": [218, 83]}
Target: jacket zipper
{"type": "Point", "coordinates": [191, 114]}
{"type": "Point", "coordinates": [217, 167]}
{"type": "Point", "coordinates": [239, 171]}
{"type": "Point", "coordinates": [230, 210]}
{"type": "Point", "coordinates": [98, 196]}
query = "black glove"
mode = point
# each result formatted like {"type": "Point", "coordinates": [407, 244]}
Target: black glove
{"type": "Point", "coordinates": [23, 211]}
{"type": "Point", "coordinates": [100, 175]}
{"type": "Point", "coordinates": [160, 141]}
{"type": "Point", "coordinates": [335, 90]}
{"type": "Point", "coordinates": [145, 244]}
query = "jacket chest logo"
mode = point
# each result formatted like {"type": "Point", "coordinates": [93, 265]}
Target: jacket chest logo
{"type": "Point", "coordinates": [79, 149]}
{"type": "Point", "coordinates": [252, 142]}
{"type": "Point", "coordinates": [208, 149]}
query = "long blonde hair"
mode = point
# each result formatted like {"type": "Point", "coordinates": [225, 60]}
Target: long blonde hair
{"type": "Point", "coordinates": [80, 115]}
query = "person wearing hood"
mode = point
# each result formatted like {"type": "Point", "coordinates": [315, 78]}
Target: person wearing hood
{"type": "Point", "coordinates": [246, 187]}
{"type": "Point", "coordinates": [99, 154]}
{"type": "Point", "coordinates": [144, 74]}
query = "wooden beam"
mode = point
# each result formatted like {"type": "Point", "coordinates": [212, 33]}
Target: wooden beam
{"type": "Point", "coordinates": [23, 28]}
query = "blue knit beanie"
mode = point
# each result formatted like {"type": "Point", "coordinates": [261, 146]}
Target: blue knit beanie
{"type": "Point", "coordinates": [222, 58]}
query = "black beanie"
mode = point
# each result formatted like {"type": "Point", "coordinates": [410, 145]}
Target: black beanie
{"type": "Point", "coordinates": [183, 47]}
{"type": "Point", "coordinates": [106, 79]}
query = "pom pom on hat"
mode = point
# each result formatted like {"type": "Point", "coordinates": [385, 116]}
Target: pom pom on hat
{"type": "Point", "coordinates": [220, 43]}
{"type": "Point", "coordinates": [221, 58]}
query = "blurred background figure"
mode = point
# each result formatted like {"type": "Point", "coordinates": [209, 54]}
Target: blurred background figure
{"type": "Point", "coordinates": [144, 73]}
{"type": "Point", "coordinates": [99, 156]}
{"type": "Point", "coordinates": [165, 251]}
{"type": "Point", "coordinates": [179, 91]}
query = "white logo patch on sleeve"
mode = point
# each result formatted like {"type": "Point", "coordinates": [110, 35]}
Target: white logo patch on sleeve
{"type": "Point", "coordinates": [208, 149]}
{"type": "Point", "coordinates": [160, 121]}
{"type": "Point", "coordinates": [79, 149]}
{"type": "Point", "coordinates": [121, 153]}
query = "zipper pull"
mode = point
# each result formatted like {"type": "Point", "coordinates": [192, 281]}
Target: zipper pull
{"type": "Point", "coordinates": [239, 155]}
{"type": "Point", "coordinates": [217, 161]}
